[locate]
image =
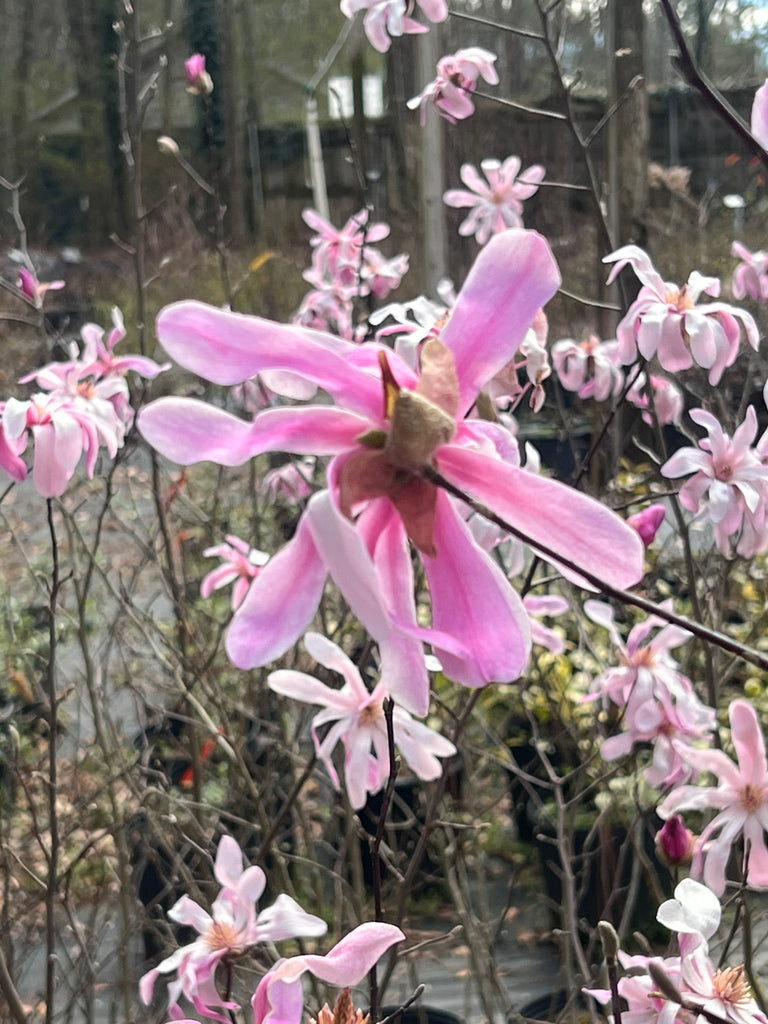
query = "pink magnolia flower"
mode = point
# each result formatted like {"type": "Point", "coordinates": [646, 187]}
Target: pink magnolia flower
{"type": "Point", "coordinates": [228, 930]}
{"type": "Point", "coordinates": [380, 275]}
{"type": "Point", "coordinates": [496, 203]}
{"type": "Point", "coordinates": [200, 82]}
{"type": "Point", "coordinates": [33, 289]}
{"type": "Point", "coordinates": [386, 18]}
{"type": "Point", "coordinates": [63, 429]}
{"type": "Point", "coordinates": [337, 251]}
{"type": "Point", "coordinates": [760, 115]}
{"type": "Point", "coordinates": [532, 356]}
{"type": "Point", "coordinates": [542, 605]}
{"type": "Point", "coordinates": [11, 450]}
{"type": "Point", "coordinates": [729, 483]}
{"type": "Point", "coordinates": [659, 703]}
{"type": "Point", "coordinates": [750, 278]}
{"type": "Point", "coordinates": [741, 797]}
{"type": "Point", "coordinates": [648, 522]}
{"type": "Point", "coordinates": [279, 999]}
{"type": "Point", "coordinates": [241, 566]}
{"type": "Point", "coordinates": [668, 401]}
{"type": "Point", "coordinates": [666, 321]}
{"type": "Point", "coordinates": [293, 481]}
{"type": "Point", "coordinates": [387, 426]}
{"type": "Point", "coordinates": [357, 719]}
{"type": "Point", "coordinates": [590, 368]}
{"type": "Point", "coordinates": [457, 76]}
{"type": "Point", "coordinates": [723, 994]}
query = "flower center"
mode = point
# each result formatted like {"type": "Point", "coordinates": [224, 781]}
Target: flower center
{"type": "Point", "coordinates": [222, 935]}
{"type": "Point", "coordinates": [644, 658]}
{"type": "Point", "coordinates": [731, 986]}
{"type": "Point", "coordinates": [371, 714]}
{"type": "Point", "coordinates": [752, 798]}
{"type": "Point", "coordinates": [680, 299]}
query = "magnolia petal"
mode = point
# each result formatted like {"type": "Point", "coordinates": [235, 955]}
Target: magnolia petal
{"type": "Point", "coordinates": [512, 278]}
{"type": "Point", "coordinates": [285, 919]}
{"type": "Point", "coordinates": [567, 522]}
{"type": "Point", "coordinates": [473, 601]}
{"type": "Point", "coordinates": [279, 604]}
{"type": "Point", "coordinates": [229, 348]}
{"type": "Point", "coordinates": [695, 909]}
{"type": "Point", "coordinates": [187, 431]}
{"type": "Point", "coordinates": [749, 743]}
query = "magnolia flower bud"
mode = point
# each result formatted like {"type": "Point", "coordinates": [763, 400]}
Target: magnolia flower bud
{"type": "Point", "coordinates": [647, 523]}
{"type": "Point", "coordinates": [674, 843]}
{"type": "Point", "coordinates": [167, 145]}
{"type": "Point", "coordinates": [200, 82]}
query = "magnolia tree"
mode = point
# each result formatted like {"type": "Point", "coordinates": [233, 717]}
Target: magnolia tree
{"type": "Point", "coordinates": [426, 544]}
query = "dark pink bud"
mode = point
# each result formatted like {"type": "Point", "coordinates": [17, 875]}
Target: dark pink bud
{"type": "Point", "coordinates": [648, 522]}
{"type": "Point", "coordinates": [674, 842]}
{"type": "Point", "coordinates": [28, 284]}
{"type": "Point", "coordinates": [200, 81]}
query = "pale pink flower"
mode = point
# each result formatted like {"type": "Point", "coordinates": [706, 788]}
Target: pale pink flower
{"type": "Point", "coordinates": [356, 718]}
{"type": "Point", "coordinates": [539, 606]}
{"type": "Point", "coordinates": [200, 82]}
{"type": "Point", "coordinates": [760, 115]}
{"type": "Point", "coordinates": [293, 481]}
{"type": "Point", "coordinates": [63, 429]}
{"type": "Point", "coordinates": [457, 76]}
{"type": "Point", "coordinates": [694, 914]}
{"type": "Point", "coordinates": [33, 289]}
{"type": "Point", "coordinates": [228, 930]}
{"type": "Point", "coordinates": [387, 18]}
{"type": "Point", "coordinates": [741, 797]}
{"type": "Point", "coordinates": [729, 484]}
{"type": "Point", "coordinates": [387, 425]}
{"type": "Point", "coordinates": [648, 522]}
{"type": "Point", "coordinates": [323, 309]}
{"type": "Point", "coordinates": [750, 278]}
{"type": "Point", "coordinates": [337, 251]}
{"type": "Point", "coordinates": [11, 450]}
{"type": "Point", "coordinates": [659, 703]}
{"type": "Point", "coordinates": [667, 321]}
{"type": "Point", "coordinates": [241, 565]}
{"type": "Point", "coordinates": [496, 203]}
{"type": "Point", "coordinates": [505, 386]}
{"type": "Point", "coordinates": [590, 367]}
{"type": "Point", "coordinates": [279, 999]}
{"type": "Point", "coordinates": [380, 275]}
{"type": "Point", "coordinates": [668, 403]}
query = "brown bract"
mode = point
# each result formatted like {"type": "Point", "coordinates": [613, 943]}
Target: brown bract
{"type": "Point", "coordinates": [389, 464]}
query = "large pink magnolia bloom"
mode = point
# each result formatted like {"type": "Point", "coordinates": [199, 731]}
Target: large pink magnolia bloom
{"type": "Point", "coordinates": [497, 202]}
{"type": "Point", "coordinates": [357, 719]}
{"type": "Point", "coordinates": [387, 425]}
{"type": "Point", "coordinates": [750, 278]}
{"type": "Point", "coordinates": [279, 998]}
{"type": "Point", "coordinates": [386, 18]}
{"type": "Point", "coordinates": [729, 483]}
{"type": "Point", "coordinates": [741, 797]}
{"type": "Point", "coordinates": [668, 322]}
{"type": "Point", "coordinates": [457, 76]}
{"type": "Point", "coordinates": [228, 930]}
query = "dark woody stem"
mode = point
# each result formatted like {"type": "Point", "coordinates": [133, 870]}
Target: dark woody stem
{"type": "Point", "coordinates": [710, 636]}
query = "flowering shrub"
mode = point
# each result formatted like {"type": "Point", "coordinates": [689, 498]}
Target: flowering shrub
{"type": "Point", "coordinates": [404, 559]}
